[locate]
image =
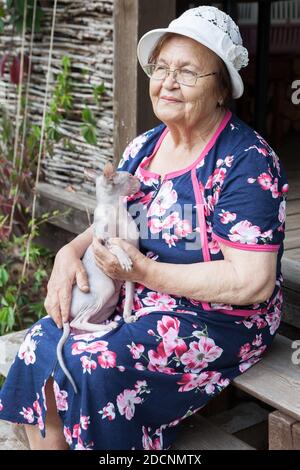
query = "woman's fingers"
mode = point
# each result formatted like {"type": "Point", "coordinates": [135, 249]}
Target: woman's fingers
{"type": "Point", "coordinates": [64, 295]}
{"type": "Point", "coordinates": [82, 280]}
{"type": "Point", "coordinates": [53, 309]}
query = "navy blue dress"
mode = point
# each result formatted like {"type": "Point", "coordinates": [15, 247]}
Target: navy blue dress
{"type": "Point", "coordinates": [139, 381]}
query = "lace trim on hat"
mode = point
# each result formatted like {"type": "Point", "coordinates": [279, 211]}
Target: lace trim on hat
{"type": "Point", "coordinates": [221, 20]}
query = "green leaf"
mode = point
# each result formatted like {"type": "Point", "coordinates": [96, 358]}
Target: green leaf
{"type": "Point", "coordinates": [88, 116]}
{"type": "Point", "coordinates": [89, 135]}
{"type": "Point", "coordinates": [3, 275]}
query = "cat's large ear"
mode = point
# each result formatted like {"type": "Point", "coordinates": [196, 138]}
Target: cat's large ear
{"type": "Point", "coordinates": [109, 171]}
{"type": "Point", "coordinates": [91, 174]}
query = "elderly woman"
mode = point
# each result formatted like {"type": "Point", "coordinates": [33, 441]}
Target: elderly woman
{"type": "Point", "coordinates": [208, 299]}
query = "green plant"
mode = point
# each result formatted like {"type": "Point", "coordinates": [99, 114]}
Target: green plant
{"type": "Point", "coordinates": [61, 103]}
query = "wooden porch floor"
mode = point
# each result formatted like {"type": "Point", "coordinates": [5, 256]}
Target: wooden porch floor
{"type": "Point", "coordinates": [292, 236]}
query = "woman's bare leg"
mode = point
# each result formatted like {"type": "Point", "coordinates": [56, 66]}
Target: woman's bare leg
{"type": "Point", "coordinates": [54, 439]}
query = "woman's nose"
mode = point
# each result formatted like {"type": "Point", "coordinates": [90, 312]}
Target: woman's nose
{"type": "Point", "coordinates": [170, 80]}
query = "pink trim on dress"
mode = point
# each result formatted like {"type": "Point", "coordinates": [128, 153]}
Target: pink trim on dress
{"type": "Point", "coordinates": [239, 313]}
{"type": "Point", "coordinates": [246, 246]}
{"type": "Point", "coordinates": [204, 152]}
{"type": "Point", "coordinates": [202, 223]}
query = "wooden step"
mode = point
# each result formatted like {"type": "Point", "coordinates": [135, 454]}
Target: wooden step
{"type": "Point", "coordinates": [9, 346]}
{"type": "Point", "coordinates": [12, 437]}
{"type": "Point", "coordinates": [198, 433]}
{"type": "Point", "coordinates": [275, 380]}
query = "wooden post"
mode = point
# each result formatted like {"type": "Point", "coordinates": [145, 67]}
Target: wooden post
{"type": "Point", "coordinates": [284, 432]}
{"type": "Point", "coordinates": [133, 112]}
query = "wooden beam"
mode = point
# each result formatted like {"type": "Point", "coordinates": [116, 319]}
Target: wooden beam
{"type": "Point", "coordinates": [133, 112]}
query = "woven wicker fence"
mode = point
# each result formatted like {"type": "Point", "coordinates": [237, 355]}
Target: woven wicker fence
{"type": "Point", "coordinates": [84, 33]}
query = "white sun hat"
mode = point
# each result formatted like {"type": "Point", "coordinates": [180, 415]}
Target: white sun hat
{"type": "Point", "coordinates": [211, 27]}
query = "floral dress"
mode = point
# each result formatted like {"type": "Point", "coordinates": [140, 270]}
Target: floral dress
{"type": "Point", "coordinates": [139, 381]}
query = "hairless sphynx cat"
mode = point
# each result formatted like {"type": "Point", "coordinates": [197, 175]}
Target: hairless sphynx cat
{"type": "Point", "coordinates": [111, 219]}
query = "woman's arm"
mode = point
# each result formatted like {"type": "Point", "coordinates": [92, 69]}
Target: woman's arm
{"type": "Point", "coordinates": [67, 270]}
{"type": "Point", "coordinates": [242, 278]}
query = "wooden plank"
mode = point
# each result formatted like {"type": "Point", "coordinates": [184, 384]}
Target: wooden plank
{"type": "Point", "coordinates": [291, 307]}
{"type": "Point", "coordinates": [291, 273]}
{"type": "Point", "coordinates": [133, 112]}
{"type": "Point", "coordinates": [292, 239]}
{"type": "Point", "coordinates": [293, 254]}
{"type": "Point", "coordinates": [275, 380]}
{"type": "Point", "coordinates": [9, 347]}
{"type": "Point", "coordinates": [293, 222]}
{"type": "Point", "coordinates": [293, 207]}
{"type": "Point", "coordinates": [10, 439]}
{"type": "Point", "coordinates": [79, 205]}
{"type": "Point", "coordinates": [280, 431]}
{"type": "Point", "coordinates": [197, 433]}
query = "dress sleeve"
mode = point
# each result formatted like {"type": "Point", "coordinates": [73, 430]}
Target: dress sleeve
{"type": "Point", "coordinates": [250, 209]}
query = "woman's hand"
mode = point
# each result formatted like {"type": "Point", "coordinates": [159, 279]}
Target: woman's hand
{"type": "Point", "coordinates": [110, 265]}
{"type": "Point", "coordinates": [67, 270]}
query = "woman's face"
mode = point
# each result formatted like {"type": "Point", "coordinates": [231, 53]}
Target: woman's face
{"type": "Point", "coordinates": [195, 102]}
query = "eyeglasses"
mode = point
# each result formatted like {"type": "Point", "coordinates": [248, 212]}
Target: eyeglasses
{"type": "Point", "coordinates": [182, 76]}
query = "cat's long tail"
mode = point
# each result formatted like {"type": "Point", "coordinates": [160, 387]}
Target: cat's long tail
{"type": "Point", "coordinates": [59, 352]}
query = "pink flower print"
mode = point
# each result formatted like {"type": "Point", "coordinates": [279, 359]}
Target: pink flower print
{"type": "Point", "coordinates": [88, 364]}
{"type": "Point", "coordinates": [108, 412]}
{"type": "Point", "coordinates": [183, 228]}
{"type": "Point", "coordinates": [268, 234]}
{"type": "Point", "coordinates": [1, 406]}
{"type": "Point", "coordinates": [216, 195]}
{"type": "Point", "coordinates": [257, 341]}
{"type": "Point", "coordinates": [273, 320]}
{"type": "Point", "coordinates": [251, 180]}
{"type": "Point", "coordinates": [160, 301]}
{"type": "Point", "coordinates": [107, 359]}
{"type": "Point", "coordinates": [155, 225]}
{"type": "Point", "coordinates": [214, 247]}
{"type": "Point", "coordinates": [87, 336]}
{"type": "Point", "coordinates": [148, 442]}
{"type": "Point", "coordinates": [247, 364]}
{"type": "Point", "coordinates": [76, 431]}
{"type": "Point", "coordinates": [274, 189]}
{"type": "Point", "coordinates": [282, 212]}
{"type": "Point", "coordinates": [265, 181]}
{"type": "Point", "coordinates": [219, 162]}
{"type": "Point", "coordinates": [28, 414]}
{"type": "Point", "coordinates": [134, 147]}
{"type": "Point", "coordinates": [285, 188]}
{"type": "Point", "coordinates": [171, 220]}
{"type": "Point", "coordinates": [84, 422]}
{"type": "Point", "coordinates": [244, 232]}
{"type": "Point", "coordinates": [200, 354]}
{"type": "Point", "coordinates": [170, 239]}
{"type": "Point", "coordinates": [126, 402]}
{"type": "Point", "coordinates": [97, 346]}
{"type": "Point", "coordinates": [166, 197]}
{"type": "Point", "coordinates": [27, 350]}
{"type": "Point", "coordinates": [260, 150]}
{"type": "Point", "coordinates": [140, 386]}
{"type": "Point", "coordinates": [68, 435]}
{"type": "Point", "coordinates": [229, 160]}
{"type": "Point", "coordinates": [219, 175]}
{"type": "Point", "coordinates": [60, 397]}
{"type": "Point", "coordinates": [227, 216]}
{"type": "Point", "coordinates": [146, 199]}
{"type": "Point", "coordinates": [158, 361]}
{"type": "Point", "coordinates": [167, 323]}
{"type": "Point", "coordinates": [136, 350]}
{"type": "Point", "coordinates": [189, 382]}
{"type": "Point", "coordinates": [148, 180]}
{"type": "Point", "coordinates": [244, 349]}
{"type": "Point", "coordinates": [209, 182]}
